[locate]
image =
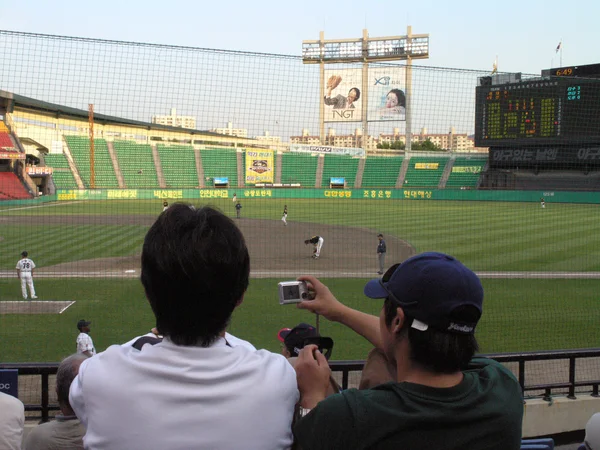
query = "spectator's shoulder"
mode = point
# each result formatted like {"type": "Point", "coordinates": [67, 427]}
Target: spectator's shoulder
{"type": "Point", "coordinates": [490, 367]}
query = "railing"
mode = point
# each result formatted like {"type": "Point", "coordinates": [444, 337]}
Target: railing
{"type": "Point", "coordinates": [44, 370]}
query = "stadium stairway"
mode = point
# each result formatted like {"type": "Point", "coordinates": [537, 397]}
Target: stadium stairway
{"type": "Point", "coordinates": [446, 173]}
{"type": "Point", "coordinates": [72, 166]}
{"type": "Point", "coordinates": [402, 174]}
{"type": "Point", "coordinates": [158, 166]}
{"type": "Point", "coordinates": [115, 163]}
{"type": "Point", "coordinates": [278, 163]}
{"type": "Point", "coordinates": [359, 172]}
{"type": "Point", "coordinates": [199, 168]}
{"type": "Point", "coordinates": [319, 175]}
{"type": "Point", "coordinates": [241, 172]}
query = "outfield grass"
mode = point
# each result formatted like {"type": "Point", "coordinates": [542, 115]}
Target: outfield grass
{"type": "Point", "coordinates": [519, 315]}
{"type": "Point", "coordinates": [484, 235]}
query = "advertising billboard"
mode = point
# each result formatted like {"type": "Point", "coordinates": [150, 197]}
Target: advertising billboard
{"type": "Point", "coordinates": [259, 166]}
{"type": "Point", "coordinates": [342, 98]}
{"type": "Point", "coordinates": [387, 100]}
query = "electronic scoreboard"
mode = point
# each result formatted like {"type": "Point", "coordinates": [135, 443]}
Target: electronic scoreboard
{"type": "Point", "coordinates": [563, 110]}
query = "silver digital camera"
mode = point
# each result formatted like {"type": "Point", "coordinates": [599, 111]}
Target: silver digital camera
{"type": "Point", "coordinates": [292, 292]}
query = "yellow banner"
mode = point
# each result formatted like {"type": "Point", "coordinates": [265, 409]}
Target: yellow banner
{"type": "Point", "coordinates": [429, 166]}
{"type": "Point", "coordinates": [259, 166]}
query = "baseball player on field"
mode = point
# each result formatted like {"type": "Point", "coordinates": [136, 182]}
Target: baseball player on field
{"type": "Point", "coordinates": [25, 268]}
{"type": "Point", "coordinates": [317, 242]}
{"type": "Point", "coordinates": [284, 217]}
{"type": "Point", "coordinates": [165, 205]}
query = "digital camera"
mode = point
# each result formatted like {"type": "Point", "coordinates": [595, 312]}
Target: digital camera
{"type": "Point", "coordinates": [292, 292]}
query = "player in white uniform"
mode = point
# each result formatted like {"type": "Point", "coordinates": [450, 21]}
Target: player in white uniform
{"type": "Point", "coordinates": [25, 268]}
{"type": "Point", "coordinates": [317, 242]}
{"type": "Point", "coordinates": [284, 217]}
{"type": "Point", "coordinates": [85, 344]}
{"type": "Point", "coordinates": [165, 206]}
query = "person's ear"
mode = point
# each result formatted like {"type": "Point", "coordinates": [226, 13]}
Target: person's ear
{"type": "Point", "coordinates": [398, 321]}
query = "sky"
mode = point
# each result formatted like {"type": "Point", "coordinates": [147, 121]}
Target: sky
{"type": "Point", "coordinates": [463, 34]}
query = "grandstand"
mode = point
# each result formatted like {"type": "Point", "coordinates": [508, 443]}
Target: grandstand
{"type": "Point", "coordinates": [299, 168]}
{"type": "Point", "coordinates": [220, 163]}
{"type": "Point", "coordinates": [465, 172]}
{"type": "Point", "coordinates": [11, 187]}
{"type": "Point", "coordinates": [381, 171]}
{"type": "Point", "coordinates": [137, 164]}
{"type": "Point", "coordinates": [104, 171]}
{"type": "Point", "coordinates": [62, 175]}
{"type": "Point", "coordinates": [178, 166]}
{"type": "Point", "coordinates": [339, 166]}
{"type": "Point", "coordinates": [424, 172]}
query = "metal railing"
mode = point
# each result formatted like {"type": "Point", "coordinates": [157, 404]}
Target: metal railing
{"type": "Point", "coordinates": [45, 370]}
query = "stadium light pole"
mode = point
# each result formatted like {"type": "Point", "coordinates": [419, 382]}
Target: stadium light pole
{"type": "Point", "coordinates": [92, 153]}
{"type": "Point", "coordinates": [366, 50]}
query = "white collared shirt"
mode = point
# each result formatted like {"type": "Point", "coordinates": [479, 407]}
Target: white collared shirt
{"type": "Point", "coordinates": [85, 344]}
{"type": "Point", "coordinates": [226, 396]}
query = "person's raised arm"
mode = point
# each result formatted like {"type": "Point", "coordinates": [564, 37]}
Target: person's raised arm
{"type": "Point", "coordinates": [325, 304]}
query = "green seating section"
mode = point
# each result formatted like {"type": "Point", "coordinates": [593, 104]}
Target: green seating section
{"type": "Point", "coordinates": [136, 164]}
{"type": "Point", "coordinates": [299, 168]}
{"type": "Point", "coordinates": [220, 163]}
{"type": "Point", "coordinates": [381, 171]}
{"type": "Point", "coordinates": [465, 172]}
{"type": "Point", "coordinates": [104, 172]}
{"type": "Point", "coordinates": [62, 175]}
{"type": "Point", "coordinates": [426, 175]}
{"type": "Point", "coordinates": [339, 166]}
{"type": "Point", "coordinates": [178, 166]}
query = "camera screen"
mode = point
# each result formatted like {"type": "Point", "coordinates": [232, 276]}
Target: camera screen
{"type": "Point", "coordinates": [291, 292]}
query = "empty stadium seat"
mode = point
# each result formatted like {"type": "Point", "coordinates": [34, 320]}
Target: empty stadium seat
{"type": "Point", "coordinates": [104, 171]}
{"type": "Point", "coordinates": [5, 141]}
{"type": "Point", "coordinates": [220, 163]}
{"type": "Point", "coordinates": [62, 175]}
{"type": "Point", "coordinates": [424, 172]}
{"type": "Point", "coordinates": [11, 187]}
{"type": "Point", "coordinates": [178, 166]}
{"type": "Point", "coordinates": [299, 168]}
{"type": "Point", "coordinates": [137, 164]}
{"type": "Point", "coordinates": [381, 171]}
{"type": "Point", "coordinates": [339, 166]}
{"type": "Point", "coordinates": [465, 172]}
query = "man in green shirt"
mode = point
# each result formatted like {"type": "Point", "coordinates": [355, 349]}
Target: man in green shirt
{"type": "Point", "coordinates": [442, 396]}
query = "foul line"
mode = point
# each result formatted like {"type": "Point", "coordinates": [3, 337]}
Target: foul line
{"type": "Point", "coordinates": [65, 308]}
{"type": "Point", "coordinates": [42, 206]}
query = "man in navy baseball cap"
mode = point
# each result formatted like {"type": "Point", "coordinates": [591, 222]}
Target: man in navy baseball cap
{"type": "Point", "coordinates": [293, 338]}
{"type": "Point", "coordinates": [438, 394]}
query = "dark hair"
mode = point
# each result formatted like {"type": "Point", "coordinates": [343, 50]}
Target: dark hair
{"type": "Point", "coordinates": [400, 96]}
{"type": "Point", "coordinates": [357, 92]}
{"type": "Point", "coordinates": [24, 254]}
{"type": "Point", "coordinates": [434, 350]}
{"type": "Point", "coordinates": [195, 270]}
{"type": "Point", "coordinates": [66, 373]}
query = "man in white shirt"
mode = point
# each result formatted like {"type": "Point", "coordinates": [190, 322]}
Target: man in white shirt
{"type": "Point", "coordinates": [12, 420]}
{"type": "Point", "coordinates": [199, 387]}
{"type": "Point", "coordinates": [25, 268]}
{"type": "Point", "coordinates": [85, 344]}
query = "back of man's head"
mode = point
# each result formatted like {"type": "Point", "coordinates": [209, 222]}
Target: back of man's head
{"type": "Point", "coordinates": [67, 371]}
{"type": "Point", "coordinates": [442, 301]}
{"type": "Point", "coordinates": [195, 270]}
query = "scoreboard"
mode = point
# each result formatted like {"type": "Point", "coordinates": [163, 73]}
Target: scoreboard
{"type": "Point", "coordinates": [551, 111]}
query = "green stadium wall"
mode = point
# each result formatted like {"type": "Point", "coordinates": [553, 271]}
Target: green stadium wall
{"type": "Point", "coordinates": [333, 194]}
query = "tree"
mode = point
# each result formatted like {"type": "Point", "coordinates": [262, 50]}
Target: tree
{"type": "Point", "coordinates": [426, 145]}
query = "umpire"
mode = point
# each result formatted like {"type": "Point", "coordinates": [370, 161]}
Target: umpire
{"type": "Point", "coordinates": [381, 251]}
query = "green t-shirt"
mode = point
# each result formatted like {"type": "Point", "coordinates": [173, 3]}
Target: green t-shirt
{"type": "Point", "coordinates": [483, 412]}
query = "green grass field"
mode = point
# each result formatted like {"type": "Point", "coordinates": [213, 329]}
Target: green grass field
{"type": "Point", "coordinates": [520, 314]}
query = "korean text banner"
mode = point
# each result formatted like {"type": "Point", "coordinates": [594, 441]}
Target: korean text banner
{"type": "Point", "coordinates": [387, 100]}
{"type": "Point", "coordinates": [259, 166]}
{"type": "Point", "coordinates": [342, 99]}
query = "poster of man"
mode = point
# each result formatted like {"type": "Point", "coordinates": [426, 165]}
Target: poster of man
{"type": "Point", "coordinates": [387, 98]}
{"type": "Point", "coordinates": [342, 98]}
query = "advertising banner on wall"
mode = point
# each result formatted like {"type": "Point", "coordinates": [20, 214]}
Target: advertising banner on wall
{"type": "Point", "coordinates": [259, 166]}
{"type": "Point", "coordinates": [352, 151]}
{"type": "Point", "coordinates": [387, 101]}
{"type": "Point", "coordinates": [342, 99]}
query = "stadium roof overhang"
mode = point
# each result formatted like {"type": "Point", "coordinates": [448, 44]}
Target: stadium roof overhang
{"type": "Point", "coordinates": [10, 102]}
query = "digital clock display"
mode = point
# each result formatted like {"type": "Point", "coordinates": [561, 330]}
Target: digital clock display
{"type": "Point", "coordinates": [538, 112]}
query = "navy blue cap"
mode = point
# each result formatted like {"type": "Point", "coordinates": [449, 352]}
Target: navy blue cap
{"type": "Point", "coordinates": [435, 289]}
{"type": "Point", "coordinates": [294, 338]}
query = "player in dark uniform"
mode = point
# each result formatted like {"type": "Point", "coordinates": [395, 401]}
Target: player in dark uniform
{"type": "Point", "coordinates": [317, 242]}
{"type": "Point", "coordinates": [238, 209]}
{"type": "Point", "coordinates": [284, 217]}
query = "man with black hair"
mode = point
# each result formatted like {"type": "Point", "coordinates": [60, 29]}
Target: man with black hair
{"type": "Point", "coordinates": [25, 268]}
{"type": "Point", "coordinates": [66, 432]}
{"type": "Point", "coordinates": [199, 387]}
{"type": "Point", "coordinates": [441, 396]}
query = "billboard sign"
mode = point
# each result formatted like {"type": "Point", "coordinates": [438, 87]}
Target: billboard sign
{"type": "Point", "coordinates": [342, 95]}
{"type": "Point", "coordinates": [259, 166]}
{"type": "Point", "coordinates": [352, 151]}
{"type": "Point", "coordinates": [387, 100]}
